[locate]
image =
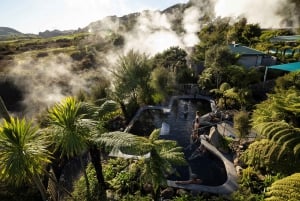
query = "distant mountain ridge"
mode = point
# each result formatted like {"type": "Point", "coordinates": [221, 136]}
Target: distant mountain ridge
{"type": "Point", "coordinates": [125, 23]}
{"type": "Point", "coordinates": [6, 31]}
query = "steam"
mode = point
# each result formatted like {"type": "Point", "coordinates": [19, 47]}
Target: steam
{"type": "Point", "coordinates": [265, 13]}
{"type": "Point", "coordinates": [151, 34]}
{"type": "Point", "coordinates": [153, 31]}
{"type": "Point", "coordinates": [46, 81]}
{"type": "Point", "coordinates": [191, 26]}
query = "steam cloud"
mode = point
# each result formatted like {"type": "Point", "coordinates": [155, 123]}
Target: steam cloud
{"type": "Point", "coordinates": [47, 80]}
{"type": "Point", "coordinates": [265, 13]}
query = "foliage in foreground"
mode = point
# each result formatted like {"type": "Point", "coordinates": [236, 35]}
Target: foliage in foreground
{"type": "Point", "coordinates": [266, 156]}
{"type": "Point", "coordinates": [24, 153]}
{"type": "Point", "coordinates": [157, 156]}
{"type": "Point", "coordinates": [287, 188]}
{"type": "Point", "coordinates": [80, 189]}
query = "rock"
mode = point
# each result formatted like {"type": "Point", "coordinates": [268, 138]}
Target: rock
{"type": "Point", "coordinates": [239, 170]}
{"type": "Point", "coordinates": [167, 193]}
{"type": "Point", "coordinates": [214, 137]}
{"type": "Point", "coordinates": [181, 192]}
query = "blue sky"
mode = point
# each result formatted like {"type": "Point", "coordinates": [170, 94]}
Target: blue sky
{"type": "Point", "coordinates": [33, 16]}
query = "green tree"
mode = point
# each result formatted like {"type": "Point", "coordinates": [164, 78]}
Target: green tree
{"type": "Point", "coordinates": [242, 77]}
{"type": "Point", "coordinates": [77, 127]}
{"type": "Point", "coordinates": [251, 34]}
{"type": "Point", "coordinates": [244, 33]}
{"type": "Point", "coordinates": [212, 34]}
{"type": "Point", "coordinates": [241, 96]}
{"type": "Point", "coordinates": [277, 118]}
{"type": "Point", "coordinates": [163, 84]}
{"type": "Point", "coordinates": [217, 58]}
{"type": "Point", "coordinates": [70, 131]}
{"type": "Point", "coordinates": [220, 94]}
{"type": "Point", "coordinates": [75, 131]}
{"type": "Point", "coordinates": [236, 31]}
{"type": "Point", "coordinates": [131, 82]}
{"type": "Point", "coordinates": [162, 155]}
{"type": "Point", "coordinates": [23, 153]}
{"type": "Point", "coordinates": [241, 123]}
{"type": "Point", "coordinates": [174, 60]}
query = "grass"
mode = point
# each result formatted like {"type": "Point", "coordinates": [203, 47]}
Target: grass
{"type": "Point", "coordinates": [28, 41]}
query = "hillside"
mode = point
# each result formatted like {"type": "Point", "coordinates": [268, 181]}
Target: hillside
{"type": "Point", "coordinates": [47, 63]}
{"type": "Point", "coordinates": [6, 31]}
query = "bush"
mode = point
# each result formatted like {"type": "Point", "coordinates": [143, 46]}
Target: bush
{"type": "Point", "coordinates": [80, 191]}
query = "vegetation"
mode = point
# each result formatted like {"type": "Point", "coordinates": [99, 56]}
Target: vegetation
{"type": "Point", "coordinates": [24, 154]}
{"type": "Point", "coordinates": [88, 126]}
{"type": "Point", "coordinates": [285, 189]}
{"type": "Point", "coordinates": [162, 155]}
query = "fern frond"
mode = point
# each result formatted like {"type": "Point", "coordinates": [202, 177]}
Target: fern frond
{"type": "Point", "coordinates": [125, 141]}
{"type": "Point", "coordinates": [282, 134]}
{"type": "Point", "coordinates": [296, 150]}
{"type": "Point", "coordinates": [166, 144]}
{"type": "Point", "coordinates": [287, 188]}
{"type": "Point", "coordinates": [107, 107]}
{"type": "Point", "coordinates": [154, 135]}
{"type": "Point", "coordinates": [289, 145]}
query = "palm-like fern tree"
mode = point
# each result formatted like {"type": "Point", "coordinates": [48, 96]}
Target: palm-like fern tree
{"type": "Point", "coordinates": [75, 130]}
{"type": "Point", "coordinates": [163, 154]}
{"type": "Point", "coordinates": [70, 130]}
{"type": "Point", "coordinates": [23, 153]}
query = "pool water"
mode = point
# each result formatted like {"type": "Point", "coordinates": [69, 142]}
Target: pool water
{"type": "Point", "coordinates": [177, 125]}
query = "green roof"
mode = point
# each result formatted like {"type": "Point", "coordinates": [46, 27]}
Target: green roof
{"type": "Point", "coordinates": [287, 67]}
{"type": "Point", "coordinates": [243, 50]}
{"type": "Point", "coordinates": [293, 38]}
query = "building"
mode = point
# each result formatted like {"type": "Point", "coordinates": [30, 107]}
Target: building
{"type": "Point", "coordinates": [249, 57]}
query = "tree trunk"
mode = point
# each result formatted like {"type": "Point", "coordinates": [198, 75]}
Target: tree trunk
{"type": "Point", "coordinates": [96, 161]}
{"type": "Point", "coordinates": [40, 186]}
{"type": "Point", "coordinates": [124, 110]}
{"type": "Point", "coordinates": [156, 194]}
{"type": "Point", "coordinates": [88, 191]}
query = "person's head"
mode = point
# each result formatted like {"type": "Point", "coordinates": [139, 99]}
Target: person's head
{"type": "Point", "coordinates": [198, 113]}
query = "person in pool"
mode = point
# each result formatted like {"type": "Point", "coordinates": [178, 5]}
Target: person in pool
{"type": "Point", "coordinates": [194, 180]}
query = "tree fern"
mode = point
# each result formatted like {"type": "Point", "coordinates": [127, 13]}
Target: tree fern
{"type": "Point", "coordinates": [269, 156]}
{"type": "Point", "coordinates": [163, 153]}
{"type": "Point", "coordinates": [287, 189]}
{"type": "Point", "coordinates": [281, 133]}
